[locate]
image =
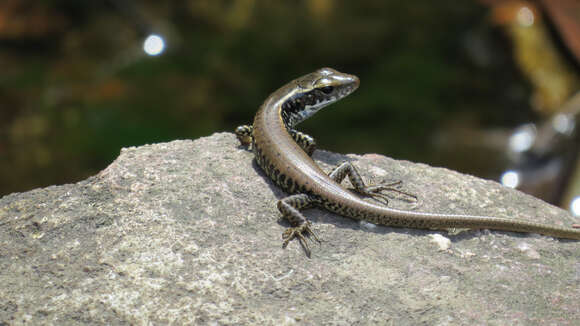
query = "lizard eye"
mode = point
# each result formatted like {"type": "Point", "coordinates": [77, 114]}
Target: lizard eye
{"type": "Point", "coordinates": [327, 89]}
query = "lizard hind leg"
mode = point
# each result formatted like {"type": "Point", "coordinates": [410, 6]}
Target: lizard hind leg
{"type": "Point", "coordinates": [347, 169]}
{"type": "Point", "coordinates": [290, 208]}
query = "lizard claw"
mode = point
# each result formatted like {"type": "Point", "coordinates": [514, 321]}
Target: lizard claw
{"type": "Point", "coordinates": [299, 232]}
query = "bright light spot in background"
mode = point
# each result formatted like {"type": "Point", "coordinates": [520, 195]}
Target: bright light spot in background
{"type": "Point", "coordinates": [153, 45]}
{"type": "Point", "coordinates": [525, 17]}
{"type": "Point", "coordinates": [510, 179]}
{"type": "Point", "coordinates": [563, 123]}
{"type": "Point", "coordinates": [523, 138]}
{"type": "Point", "coordinates": [575, 206]}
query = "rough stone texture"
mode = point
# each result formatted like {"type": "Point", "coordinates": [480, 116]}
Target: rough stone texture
{"type": "Point", "coordinates": [186, 232]}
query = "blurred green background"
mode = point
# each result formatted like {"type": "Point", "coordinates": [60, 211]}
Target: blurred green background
{"type": "Point", "coordinates": [76, 85]}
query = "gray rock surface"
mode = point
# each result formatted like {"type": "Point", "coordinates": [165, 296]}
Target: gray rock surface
{"type": "Point", "coordinates": [187, 232]}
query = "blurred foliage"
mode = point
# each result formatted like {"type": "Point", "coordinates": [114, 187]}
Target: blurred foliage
{"type": "Point", "coordinates": [554, 80]}
{"type": "Point", "coordinates": [76, 86]}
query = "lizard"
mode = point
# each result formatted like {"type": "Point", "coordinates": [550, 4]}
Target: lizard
{"type": "Point", "coordinates": [284, 154]}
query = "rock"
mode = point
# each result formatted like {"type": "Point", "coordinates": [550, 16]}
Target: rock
{"type": "Point", "coordinates": [187, 232]}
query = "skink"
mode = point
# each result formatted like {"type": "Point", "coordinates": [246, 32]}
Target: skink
{"type": "Point", "coordinates": [284, 154]}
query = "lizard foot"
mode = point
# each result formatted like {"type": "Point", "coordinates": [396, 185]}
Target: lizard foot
{"type": "Point", "coordinates": [375, 192]}
{"type": "Point", "coordinates": [244, 134]}
{"type": "Point", "coordinates": [299, 232]}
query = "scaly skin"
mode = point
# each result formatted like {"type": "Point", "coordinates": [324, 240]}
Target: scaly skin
{"type": "Point", "coordinates": [284, 154]}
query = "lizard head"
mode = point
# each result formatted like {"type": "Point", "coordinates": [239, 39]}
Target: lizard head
{"type": "Point", "coordinates": [329, 83]}
{"type": "Point", "coordinates": [314, 91]}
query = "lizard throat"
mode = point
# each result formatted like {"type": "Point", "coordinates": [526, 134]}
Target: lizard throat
{"type": "Point", "coordinates": [300, 107]}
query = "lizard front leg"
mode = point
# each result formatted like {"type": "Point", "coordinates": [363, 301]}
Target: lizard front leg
{"type": "Point", "coordinates": [303, 140]}
{"type": "Point", "coordinates": [306, 142]}
{"type": "Point", "coordinates": [347, 169]}
{"type": "Point", "coordinates": [244, 134]}
{"type": "Point", "coordinates": [290, 208]}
